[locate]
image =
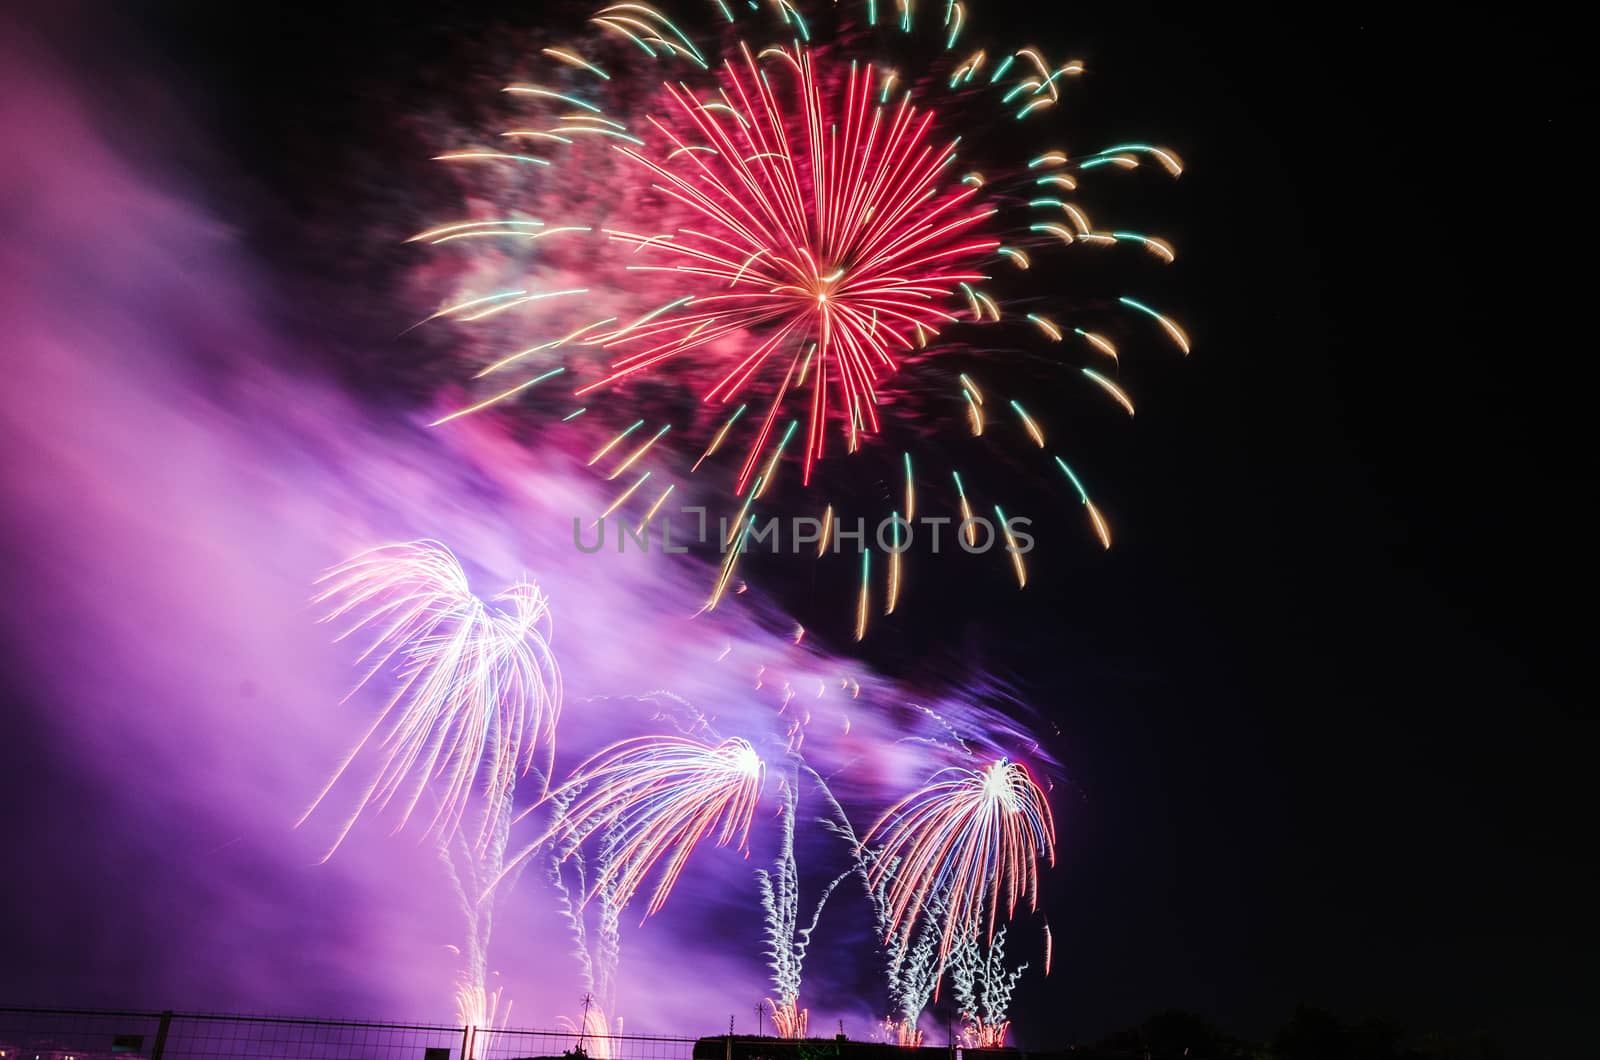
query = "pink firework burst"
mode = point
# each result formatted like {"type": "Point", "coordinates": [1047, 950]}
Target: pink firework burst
{"type": "Point", "coordinates": [823, 222]}
{"type": "Point", "coordinates": [651, 798]}
{"type": "Point", "coordinates": [781, 235]}
{"type": "Point", "coordinates": [968, 844]}
{"type": "Point", "coordinates": [477, 688]}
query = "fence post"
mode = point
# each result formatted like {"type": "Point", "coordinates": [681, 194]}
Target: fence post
{"type": "Point", "coordinates": [729, 1052]}
{"type": "Point", "coordinates": [161, 1035]}
{"type": "Point", "coordinates": [466, 1042]}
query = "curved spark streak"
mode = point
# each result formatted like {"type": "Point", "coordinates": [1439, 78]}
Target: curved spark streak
{"type": "Point", "coordinates": [974, 837]}
{"type": "Point", "coordinates": [656, 797]}
{"type": "Point", "coordinates": [983, 985]}
{"type": "Point", "coordinates": [808, 237]}
{"type": "Point", "coordinates": [1117, 393]}
{"type": "Point", "coordinates": [479, 690]}
{"type": "Point", "coordinates": [835, 230]}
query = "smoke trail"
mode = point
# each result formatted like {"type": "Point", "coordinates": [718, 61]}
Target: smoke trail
{"type": "Point", "coordinates": [186, 465]}
{"type": "Point", "coordinates": [787, 941]}
{"type": "Point", "coordinates": [983, 984]}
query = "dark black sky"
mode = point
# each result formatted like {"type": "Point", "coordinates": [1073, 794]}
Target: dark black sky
{"type": "Point", "coordinates": [1321, 706]}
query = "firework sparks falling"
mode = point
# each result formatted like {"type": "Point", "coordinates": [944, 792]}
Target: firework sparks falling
{"type": "Point", "coordinates": [489, 493]}
{"type": "Point", "coordinates": [847, 239]}
{"type": "Point", "coordinates": [593, 1029]}
{"type": "Point", "coordinates": [913, 975]}
{"type": "Point", "coordinates": [983, 985]}
{"type": "Point", "coordinates": [804, 238]}
{"type": "Point", "coordinates": [480, 1011]}
{"type": "Point", "coordinates": [472, 873]}
{"type": "Point", "coordinates": [658, 796]}
{"type": "Point", "coordinates": [597, 948]}
{"type": "Point", "coordinates": [479, 691]}
{"type": "Point", "coordinates": [787, 940]}
{"type": "Point", "coordinates": [975, 838]}
{"type": "Point", "coordinates": [911, 972]}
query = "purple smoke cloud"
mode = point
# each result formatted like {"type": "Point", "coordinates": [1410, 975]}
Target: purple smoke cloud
{"type": "Point", "coordinates": [175, 479]}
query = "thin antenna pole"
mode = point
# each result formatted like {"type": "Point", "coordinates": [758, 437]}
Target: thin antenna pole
{"type": "Point", "coordinates": [583, 1029]}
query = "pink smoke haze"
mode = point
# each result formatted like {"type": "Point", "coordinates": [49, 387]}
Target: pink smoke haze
{"type": "Point", "coordinates": [176, 478]}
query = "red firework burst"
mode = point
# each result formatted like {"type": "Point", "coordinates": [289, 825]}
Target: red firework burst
{"type": "Point", "coordinates": [836, 236]}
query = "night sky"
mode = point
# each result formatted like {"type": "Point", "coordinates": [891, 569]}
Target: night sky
{"type": "Point", "coordinates": [1319, 710]}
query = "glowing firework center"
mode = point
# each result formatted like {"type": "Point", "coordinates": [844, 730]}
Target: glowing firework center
{"type": "Point", "coordinates": [824, 221]}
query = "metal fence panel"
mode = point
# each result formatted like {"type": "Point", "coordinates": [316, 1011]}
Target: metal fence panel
{"type": "Point", "coordinates": [80, 1034]}
{"type": "Point", "coordinates": [259, 1038]}
{"type": "Point", "coordinates": [518, 1044]}
{"type": "Point", "coordinates": [76, 1034]}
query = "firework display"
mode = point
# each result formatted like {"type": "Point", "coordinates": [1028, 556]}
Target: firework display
{"type": "Point", "coordinates": [827, 246]}
{"type": "Point", "coordinates": [975, 838]}
{"type": "Point", "coordinates": [477, 692]}
{"type": "Point", "coordinates": [983, 984]}
{"type": "Point", "coordinates": [631, 816]}
{"type": "Point", "coordinates": [596, 937]}
{"type": "Point", "coordinates": [654, 798]}
{"type": "Point", "coordinates": [778, 260]}
{"type": "Point", "coordinates": [844, 243]}
{"type": "Point", "coordinates": [787, 940]}
{"type": "Point", "coordinates": [781, 530]}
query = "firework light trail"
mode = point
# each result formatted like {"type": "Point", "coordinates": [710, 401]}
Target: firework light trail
{"type": "Point", "coordinates": [478, 690]}
{"type": "Point", "coordinates": [824, 232]}
{"type": "Point", "coordinates": [654, 798]}
{"type": "Point", "coordinates": [983, 985]}
{"type": "Point", "coordinates": [974, 839]}
{"type": "Point", "coordinates": [597, 948]}
{"type": "Point", "coordinates": [466, 714]}
{"type": "Point", "coordinates": [471, 873]}
{"type": "Point", "coordinates": [787, 940]}
{"type": "Point", "coordinates": [911, 971]}
{"type": "Point", "coordinates": [845, 247]}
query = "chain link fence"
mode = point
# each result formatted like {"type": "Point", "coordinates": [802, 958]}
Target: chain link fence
{"type": "Point", "coordinates": [83, 1034]}
{"type": "Point", "coordinates": [98, 1034]}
